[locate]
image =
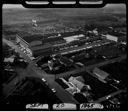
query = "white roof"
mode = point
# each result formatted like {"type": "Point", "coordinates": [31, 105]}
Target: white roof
{"type": "Point", "coordinates": [72, 38]}
{"type": "Point", "coordinates": [77, 83]}
{"type": "Point", "coordinates": [8, 59]}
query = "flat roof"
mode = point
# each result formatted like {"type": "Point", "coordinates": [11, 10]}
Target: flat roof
{"type": "Point", "coordinates": [41, 47]}
{"type": "Point", "coordinates": [32, 37]}
{"type": "Point", "coordinates": [28, 37]}
{"type": "Point", "coordinates": [100, 73]}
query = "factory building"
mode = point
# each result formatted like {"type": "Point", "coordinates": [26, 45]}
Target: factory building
{"type": "Point", "coordinates": [38, 44]}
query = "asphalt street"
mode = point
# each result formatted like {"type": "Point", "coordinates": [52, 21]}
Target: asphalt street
{"type": "Point", "coordinates": [34, 71]}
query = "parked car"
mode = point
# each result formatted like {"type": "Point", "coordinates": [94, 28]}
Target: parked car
{"type": "Point", "coordinates": [53, 90]}
{"type": "Point", "coordinates": [44, 80]}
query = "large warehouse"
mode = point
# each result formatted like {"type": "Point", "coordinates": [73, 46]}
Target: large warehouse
{"type": "Point", "coordinates": [38, 44]}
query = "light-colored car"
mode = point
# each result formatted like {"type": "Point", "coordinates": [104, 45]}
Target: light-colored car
{"type": "Point", "coordinates": [44, 80]}
{"type": "Point", "coordinates": [108, 97]}
{"type": "Point", "coordinates": [53, 90]}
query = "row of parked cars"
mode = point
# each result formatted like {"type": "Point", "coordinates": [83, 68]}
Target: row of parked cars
{"type": "Point", "coordinates": [26, 51]}
{"type": "Point", "coordinates": [46, 83]}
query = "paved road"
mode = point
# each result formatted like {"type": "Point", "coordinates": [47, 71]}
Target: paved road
{"type": "Point", "coordinates": [108, 96]}
{"type": "Point", "coordinates": [118, 59]}
{"type": "Point", "coordinates": [88, 68]}
{"type": "Point", "coordinates": [34, 71]}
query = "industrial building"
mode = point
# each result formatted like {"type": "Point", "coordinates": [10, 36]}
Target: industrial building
{"type": "Point", "coordinates": [37, 45]}
{"type": "Point", "coordinates": [101, 75]}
